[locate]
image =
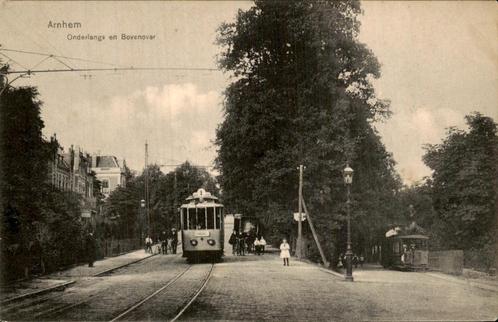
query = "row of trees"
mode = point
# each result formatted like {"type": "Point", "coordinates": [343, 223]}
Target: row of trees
{"type": "Point", "coordinates": [166, 193]}
{"type": "Point", "coordinates": [38, 221]}
{"type": "Point", "coordinates": [301, 93]}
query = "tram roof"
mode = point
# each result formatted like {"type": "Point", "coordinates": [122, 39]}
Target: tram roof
{"type": "Point", "coordinates": [201, 205]}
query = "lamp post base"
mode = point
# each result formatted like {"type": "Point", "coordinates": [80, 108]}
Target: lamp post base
{"type": "Point", "coordinates": [348, 278]}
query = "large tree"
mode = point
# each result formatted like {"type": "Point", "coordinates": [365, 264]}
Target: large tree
{"type": "Point", "coordinates": [464, 183]}
{"type": "Point", "coordinates": [301, 93]}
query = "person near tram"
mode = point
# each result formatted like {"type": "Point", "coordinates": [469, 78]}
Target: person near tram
{"type": "Point", "coordinates": [174, 240]}
{"type": "Point", "coordinates": [285, 252]}
{"type": "Point", "coordinates": [233, 241]}
{"type": "Point", "coordinates": [164, 243]}
{"type": "Point", "coordinates": [148, 244]}
{"type": "Point", "coordinates": [241, 244]}
{"type": "Point", "coordinates": [259, 245]}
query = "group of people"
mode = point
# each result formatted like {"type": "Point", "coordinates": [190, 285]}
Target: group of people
{"type": "Point", "coordinates": [167, 241]}
{"type": "Point", "coordinates": [246, 242]}
{"type": "Point", "coordinates": [355, 260]}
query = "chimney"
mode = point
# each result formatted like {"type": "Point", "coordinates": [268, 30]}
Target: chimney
{"type": "Point", "coordinates": [94, 160]}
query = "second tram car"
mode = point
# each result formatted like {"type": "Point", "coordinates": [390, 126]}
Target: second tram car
{"type": "Point", "coordinates": [405, 252]}
{"type": "Point", "coordinates": [202, 226]}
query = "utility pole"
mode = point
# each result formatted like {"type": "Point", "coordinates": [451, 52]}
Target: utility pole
{"type": "Point", "coordinates": [147, 216]}
{"type": "Point", "coordinates": [299, 243]}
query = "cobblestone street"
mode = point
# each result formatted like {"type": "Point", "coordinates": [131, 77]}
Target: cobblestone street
{"type": "Point", "coordinates": [261, 288]}
{"type": "Point", "coordinates": [255, 288]}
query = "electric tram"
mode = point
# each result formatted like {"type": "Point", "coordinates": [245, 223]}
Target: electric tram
{"type": "Point", "coordinates": [408, 252]}
{"type": "Point", "coordinates": [202, 227]}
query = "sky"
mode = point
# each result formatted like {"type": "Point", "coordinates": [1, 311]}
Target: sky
{"type": "Point", "coordinates": [439, 63]}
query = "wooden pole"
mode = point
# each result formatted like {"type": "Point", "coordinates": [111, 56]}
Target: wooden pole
{"type": "Point", "coordinates": [299, 243]}
{"type": "Point", "coordinates": [315, 236]}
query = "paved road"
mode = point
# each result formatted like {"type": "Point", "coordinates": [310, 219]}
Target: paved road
{"type": "Point", "coordinates": [261, 288]}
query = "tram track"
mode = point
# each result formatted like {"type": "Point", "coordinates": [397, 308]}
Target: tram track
{"type": "Point", "coordinates": [54, 304]}
{"type": "Point", "coordinates": [174, 312]}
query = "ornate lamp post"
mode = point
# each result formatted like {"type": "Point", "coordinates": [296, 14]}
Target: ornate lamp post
{"type": "Point", "coordinates": [142, 207]}
{"type": "Point", "coordinates": [348, 180]}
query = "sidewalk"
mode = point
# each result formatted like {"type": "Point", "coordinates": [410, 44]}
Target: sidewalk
{"type": "Point", "coordinates": [62, 279]}
{"type": "Point", "coordinates": [103, 266]}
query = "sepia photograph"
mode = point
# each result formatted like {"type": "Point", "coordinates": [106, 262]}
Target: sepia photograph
{"type": "Point", "coordinates": [264, 160]}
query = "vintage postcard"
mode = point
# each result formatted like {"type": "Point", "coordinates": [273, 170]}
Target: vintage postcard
{"type": "Point", "coordinates": [303, 160]}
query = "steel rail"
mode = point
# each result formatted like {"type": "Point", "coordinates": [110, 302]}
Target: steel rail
{"type": "Point", "coordinates": [199, 291]}
{"type": "Point", "coordinates": [136, 305]}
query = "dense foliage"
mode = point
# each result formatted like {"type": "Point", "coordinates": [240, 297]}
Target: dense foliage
{"type": "Point", "coordinates": [38, 221]}
{"type": "Point", "coordinates": [301, 93]}
{"type": "Point", "coordinates": [463, 186]}
{"type": "Point", "coordinates": [165, 196]}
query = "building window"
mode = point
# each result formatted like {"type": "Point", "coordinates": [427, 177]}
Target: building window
{"type": "Point", "coordinates": [105, 184]}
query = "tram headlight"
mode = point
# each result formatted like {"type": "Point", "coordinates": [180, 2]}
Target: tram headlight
{"type": "Point", "coordinates": [211, 242]}
{"type": "Point", "coordinates": [193, 242]}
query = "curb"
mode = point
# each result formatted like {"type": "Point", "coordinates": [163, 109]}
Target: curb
{"type": "Point", "coordinates": [331, 272]}
{"type": "Point", "coordinates": [120, 266]}
{"type": "Point", "coordinates": [45, 290]}
{"type": "Point", "coordinates": [320, 267]}
{"type": "Point", "coordinates": [479, 285]}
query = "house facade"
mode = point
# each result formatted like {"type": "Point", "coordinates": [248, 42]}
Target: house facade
{"type": "Point", "coordinates": [110, 172]}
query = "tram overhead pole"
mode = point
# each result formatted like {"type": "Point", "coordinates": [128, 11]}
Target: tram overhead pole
{"type": "Point", "coordinates": [299, 242]}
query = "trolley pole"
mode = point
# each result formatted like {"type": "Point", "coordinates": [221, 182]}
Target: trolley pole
{"type": "Point", "coordinates": [299, 243]}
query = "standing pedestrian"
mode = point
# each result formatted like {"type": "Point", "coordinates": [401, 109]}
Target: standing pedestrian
{"type": "Point", "coordinates": [262, 244]}
{"type": "Point", "coordinates": [233, 241]}
{"type": "Point", "coordinates": [148, 244]}
{"type": "Point", "coordinates": [355, 260]}
{"type": "Point", "coordinates": [90, 249]}
{"type": "Point", "coordinates": [174, 240]}
{"type": "Point", "coordinates": [285, 252]}
{"type": "Point", "coordinates": [257, 247]}
{"type": "Point", "coordinates": [362, 260]}
{"type": "Point", "coordinates": [164, 243]}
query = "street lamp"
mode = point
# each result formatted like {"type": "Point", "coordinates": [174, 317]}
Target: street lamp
{"type": "Point", "coordinates": [142, 206]}
{"type": "Point", "coordinates": [348, 180]}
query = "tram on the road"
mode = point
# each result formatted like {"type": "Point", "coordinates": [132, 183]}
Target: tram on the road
{"type": "Point", "coordinates": [202, 227]}
{"type": "Point", "coordinates": [408, 252]}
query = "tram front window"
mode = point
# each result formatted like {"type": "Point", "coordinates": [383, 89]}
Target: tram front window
{"type": "Point", "coordinates": [210, 218]}
{"type": "Point", "coordinates": [218, 217]}
{"type": "Point", "coordinates": [185, 219]}
{"type": "Point", "coordinates": [201, 218]}
{"type": "Point", "coordinates": [192, 218]}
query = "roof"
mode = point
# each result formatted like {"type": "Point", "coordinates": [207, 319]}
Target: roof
{"type": "Point", "coordinates": [201, 205]}
{"type": "Point", "coordinates": [107, 162]}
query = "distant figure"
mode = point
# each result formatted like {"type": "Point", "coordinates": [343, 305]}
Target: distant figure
{"type": "Point", "coordinates": [259, 245]}
{"type": "Point", "coordinates": [340, 263]}
{"type": "Point", "coordinates": [355, 260]}
{"type": "Point", "coordinates": [362, 260]}
{"type": "Point", "coordinates": [90, 249]}
{"type": "Point", "coordinates": [256, 246]}
{"type": "Point", "coordinates": [285, 252]}
{"type": "Point", "coordinates": [164, 243]}
{"type": "Point", "coordinates": [240, 244]}
{"type": "Point", "coordinates": [148, 244]}
{"type": "Point", "coordinates": [233, 241]}
{"type": "Point", "coordinates": [174, 240]}
{"type": "Point", "coordinates": [262, 244]}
